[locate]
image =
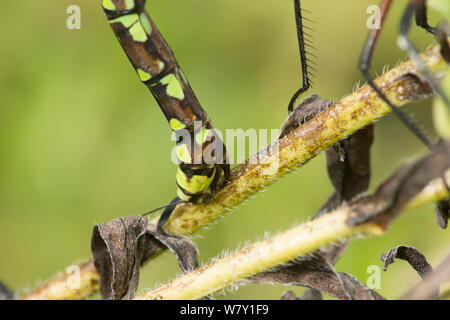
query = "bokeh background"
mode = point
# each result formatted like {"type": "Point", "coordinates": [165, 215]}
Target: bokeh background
{"type": "Point", "coordinates": [82, 141]}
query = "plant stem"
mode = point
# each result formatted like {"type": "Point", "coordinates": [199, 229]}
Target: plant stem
{"type": "Point", "coordinates": [352, 113]}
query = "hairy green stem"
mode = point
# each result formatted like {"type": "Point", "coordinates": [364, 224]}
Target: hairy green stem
{"type": "Point", "coordinates": [279, 249]}
{"type": "Point", "coordinates": [352, 113]}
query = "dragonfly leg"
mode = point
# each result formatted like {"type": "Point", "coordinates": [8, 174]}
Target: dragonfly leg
{"type": "Point", "coordinates": [167, 212]}
{"type": "Point", "coordinates": [364, 66]}
{"type": "Point", "coordinates": [419, 7]}
{"type": "Point", "coordinates": [306, 81]}
{"type": "Point", "coordinates": [422, 17]}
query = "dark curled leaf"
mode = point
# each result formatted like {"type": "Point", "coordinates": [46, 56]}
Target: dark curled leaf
{"type": "Point", "coordinates": [429, 287]}
{"type": "Point", "coordinates": [443, 213]}
{"type": "Point", "coordinates": [442, 34]}
{"type": "Point", "coordinates": [5, 292]}
{"type": "Point", "coordinates": [415, 258]}
{"type": "Point", "coordinates": [182, 247]}
{"type": "Point", "coordinates": [121, 246]}
{"type": "Point", "coordinates": [118, 249]}
{"type": "Point", "coordinates": [305, 111]}
{"type": "Point", "coordinates": [348, 161]}
{"type": "Point", "coordinates": [418, 85]}
{"type": "Point", "coordinates": [313, 271]}
{"type": "Point", "coordinates": [288, 295]}
{"type": "Point", "coordinates": [334, 251]}
{"type": "Point", "coordinates": [348, 164]}
{"type": "Point", "coordinates": [392, 196]}
{"type": "Point", "coordinates": [310, 294]}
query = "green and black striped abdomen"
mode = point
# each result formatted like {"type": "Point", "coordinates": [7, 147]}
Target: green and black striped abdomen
{"type": "Point", "coordinates": [154, 61]}
{"type": "Point", "coordinates": [201, 165]}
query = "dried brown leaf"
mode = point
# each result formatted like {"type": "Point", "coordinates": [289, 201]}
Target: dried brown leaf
{"type": "Point", "coordinates": [306, 110]}
{"type": "Point", "coordinates": [313, 271]}
{"type": "Point", "coordinates": [118, 249]}
{"type": "Point", "coordinates": [443, 213]}
{"type": "Point", "coordinates": [415, 258]}
{"type": "Point", "coordinates": [5, 292]}
{"type": "Point", "coordinates": [182, 247]}
{"type": "Point", "coordinates": [392, 196]}
{"type": "Point", "coordinates": [121, 246]}
{"type": "Point", "coordinates": [348, 164]}
{"type": "Point", "coordinates": [442, 34]}
{"type": "Point", "coordinates": [429, 287]}
{"type": "Point", "coordinates": [310, 294]}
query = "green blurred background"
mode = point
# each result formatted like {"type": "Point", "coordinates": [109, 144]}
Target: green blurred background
{"type": "Point", "coordinates": [83, 142]}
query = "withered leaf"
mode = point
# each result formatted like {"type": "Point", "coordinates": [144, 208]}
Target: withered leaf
{"type": "Point", "coordinates": [306, 110]}
{"type": "Point", "coordinates": [415, 258]}
{"type": "Point", "coordinates": [348, 161]}
{"type": "Point", "coordinates": [313, 271]}
{"type": "Point", "coordinates": [288, 295]}
{"type": "Point", "coordinates": [418, 86]}
{"type": "Point", "coordinates": [392, 196]}
{"type": "Point", "coordinates": [118, 249]}
{"type": "Point", "coordinates": [5, 292]}
{"type": "Point", "coordinates": [443, 206]}
{"type": "Point", "coordinates": [121, 246]}
{"type": "Point", "coordinates": [443, 213]}
{"type": "Point", "coordinates": [430, 284]}
{"type": "Point", "coordinates": [442, 34]}
{"type": "Point", "coordinates": [310, 294]}
{"type": "Point", "coordinates": [182, 247]}
{"type": "Point", "coordinates": [348, 164]}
